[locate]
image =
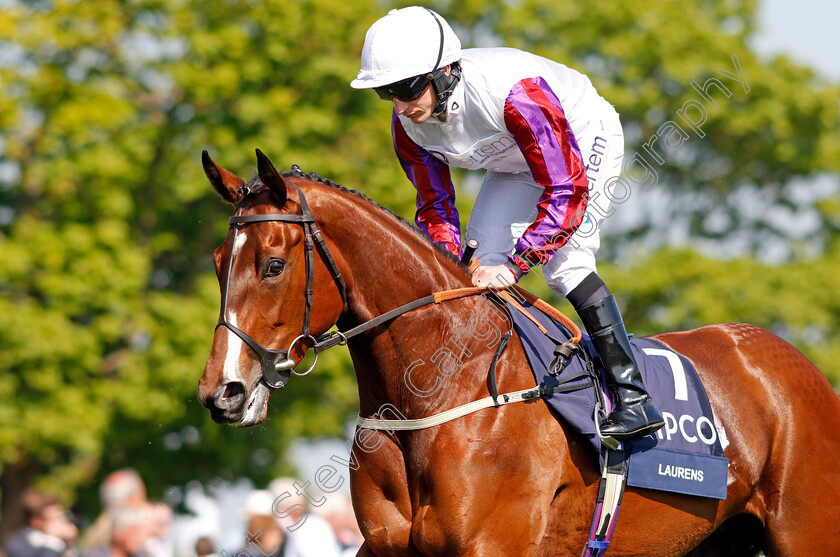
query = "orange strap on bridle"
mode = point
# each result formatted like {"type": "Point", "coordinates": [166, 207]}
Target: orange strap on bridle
{"type": "Point", "coordinates": [549, 310]}
{"type": "Point", "coordinates": [542, 305]}
{"type": "Point", "coordinates": [522, 294]}
{"type": "Point", "coordinates": [336, 338]}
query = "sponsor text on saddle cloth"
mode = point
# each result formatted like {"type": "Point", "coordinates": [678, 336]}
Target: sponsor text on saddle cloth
{"type": "Point", "coordinates": [685, 456]}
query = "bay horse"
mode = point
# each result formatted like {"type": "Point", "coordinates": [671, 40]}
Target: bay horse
{"type": "Point", "coordinates": [507, 481]}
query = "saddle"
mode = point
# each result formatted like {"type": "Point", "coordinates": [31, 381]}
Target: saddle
{"type": "Point", "coordinates": [686, 456]}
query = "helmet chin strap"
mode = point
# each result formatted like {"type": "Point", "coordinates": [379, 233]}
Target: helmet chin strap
{"type": "Point", "coordinates": [443, 85]}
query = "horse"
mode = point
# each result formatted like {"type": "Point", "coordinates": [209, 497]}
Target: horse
{"type": "Point", "coordinates": [512, 480]}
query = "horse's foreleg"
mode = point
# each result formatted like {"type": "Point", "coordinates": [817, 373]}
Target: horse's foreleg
{"type": "Point", "coordinates": [380, 498]}
{"type": "Point", "coordinates": [487, 496]}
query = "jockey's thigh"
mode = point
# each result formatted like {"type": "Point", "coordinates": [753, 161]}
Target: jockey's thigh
{"type": "Point", "coordinates": [601, 146]}
{"type": "Point", "coordinates": [507, 204]}
{"type": "Point", "coordinates": [602, 149]}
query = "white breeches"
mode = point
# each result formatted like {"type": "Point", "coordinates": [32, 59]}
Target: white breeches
{"type": "Point", "coordinates": [507, 204]}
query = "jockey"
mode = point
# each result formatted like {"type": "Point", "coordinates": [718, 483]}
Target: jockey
{"type": "Point", "coordinates": [549, 144]}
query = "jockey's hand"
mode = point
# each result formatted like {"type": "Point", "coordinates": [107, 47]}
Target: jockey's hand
{"type": "Point", "coordinates": [495, 276]}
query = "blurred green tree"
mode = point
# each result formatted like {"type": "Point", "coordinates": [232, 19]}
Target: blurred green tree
{"type": "Point", "coordinates": [108, 224]}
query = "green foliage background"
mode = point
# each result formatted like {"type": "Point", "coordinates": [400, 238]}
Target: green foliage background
{"type": "Point", "coordinates": [107, 222]}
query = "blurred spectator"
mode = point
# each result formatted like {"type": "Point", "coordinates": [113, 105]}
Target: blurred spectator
{"type": "Point", "coordinates": [204, 548]}
{"type": "Point", "coordinates": [337, 510]}
{"type": "Point", "coordinates": [49, 532]}
{"type": "Point", "coordinates": [258, 503]}
{"type": "Point", "coordinates": [159, 543]}
{"type": "Point", "coordinates": [123, 488]}
{"type": "Point", "coordinates": [264, 537]}
{"type": "Point", "coordinates": [307, 535]}
{"type": "Point", "coordinates": [129, 530]}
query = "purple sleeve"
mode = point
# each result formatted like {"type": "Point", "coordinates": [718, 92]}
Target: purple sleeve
{"type": "Point", "coordinates": [535, 118]}
{"type": "Point", "coordinates": [436, 214]}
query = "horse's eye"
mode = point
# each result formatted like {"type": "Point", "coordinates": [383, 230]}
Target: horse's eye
{"type": "Point", "coordinates": [274, 267]}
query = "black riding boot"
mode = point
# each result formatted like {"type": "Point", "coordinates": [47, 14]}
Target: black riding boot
{"type": "Point", "coordinates": [634, 414]}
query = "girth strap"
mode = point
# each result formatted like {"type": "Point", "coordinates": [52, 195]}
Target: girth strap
{"type": "Point", "coordinates": [460, 411]}
{"type": "Point", "coordinates": [608, 503]}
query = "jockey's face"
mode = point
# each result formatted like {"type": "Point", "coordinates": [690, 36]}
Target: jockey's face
{"type": "Point", "coordinates": [418, 110]}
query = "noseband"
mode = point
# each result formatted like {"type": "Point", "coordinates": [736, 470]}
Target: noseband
{"type": "Point", "coordinates": [276, 364]}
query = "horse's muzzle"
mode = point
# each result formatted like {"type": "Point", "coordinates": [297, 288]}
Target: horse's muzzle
{"type": "Point", "coordinates": [227, 404]}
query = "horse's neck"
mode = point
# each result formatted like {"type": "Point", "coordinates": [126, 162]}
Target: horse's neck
{"type": "Point", "coordinates": [389, 265]}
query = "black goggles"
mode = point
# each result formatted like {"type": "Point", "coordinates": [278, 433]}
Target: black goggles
{"type": "Point", "coordinates": [405, 90]}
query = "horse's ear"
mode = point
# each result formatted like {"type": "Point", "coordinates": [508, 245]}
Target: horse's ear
{"type": "Point", "coordinates": [224, 182]}
{"type": "Point", "coordinates": [271, 178]}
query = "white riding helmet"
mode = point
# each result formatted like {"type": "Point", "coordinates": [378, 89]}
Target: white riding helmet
{"type": "Point", "coordinates": [403, 44]}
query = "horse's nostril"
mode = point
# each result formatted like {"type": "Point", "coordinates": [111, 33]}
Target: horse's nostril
{"type": "Point", "coordinates": [233, 389]}
{"type": "Point", "coordinates": [230, 395]}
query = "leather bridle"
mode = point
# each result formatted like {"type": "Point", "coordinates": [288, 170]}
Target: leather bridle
{"type": "Point", "coordinates": [277, 367]}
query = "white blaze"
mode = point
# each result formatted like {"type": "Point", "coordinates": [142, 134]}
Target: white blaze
{"type": "Point", "coordinates": [234, 351]}
{"type": "Point", "coordinates": [241, 236]}
{"type": "Point", "coordinates": [234, 343]}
